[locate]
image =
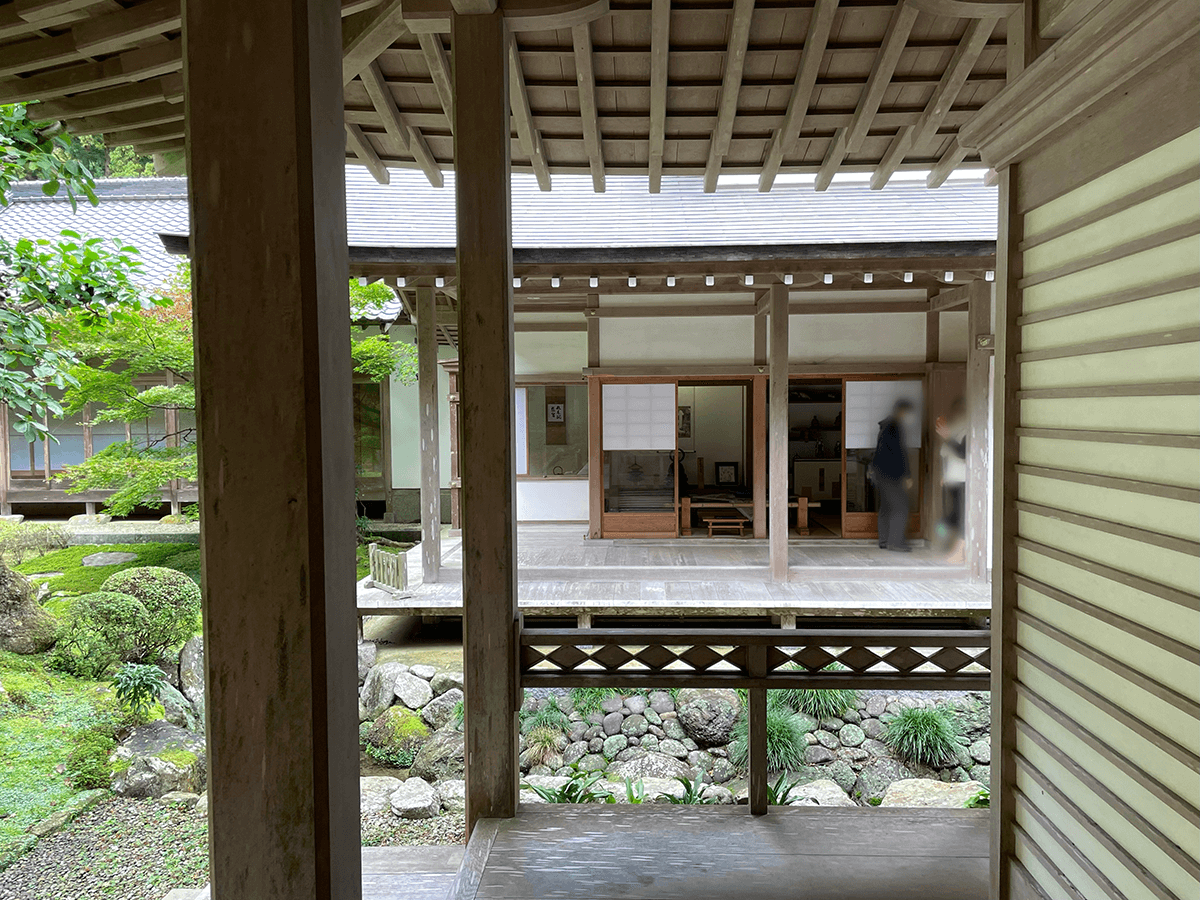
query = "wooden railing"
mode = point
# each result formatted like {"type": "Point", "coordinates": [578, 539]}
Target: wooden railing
{"type": "Point", "coordinates": [388, 569]}
{"type": "Point", "coordinates": [880, 658]}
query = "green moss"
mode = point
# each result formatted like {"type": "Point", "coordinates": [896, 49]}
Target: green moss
{"type": "Point", "coordinates": [81, 579]}
{"type": "Point", "coordinates": [362, 562]}
{"type": "Point", "coordinates": [178, 756]}
{"type": "Point", "coordinates": [121, 764]}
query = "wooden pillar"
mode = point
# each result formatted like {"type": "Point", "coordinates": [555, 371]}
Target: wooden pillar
{"type": "Point", "coordinates": [757, 733]}
{"type": "Point", "coordinates": [593, 331]}
{"type": "Point", "coordinates": [485, 341]}
{"type": "Point", "coordinates": [778, 365]}
{"type": "Point", "coordinates": [758, 418]}
{"type": "Point", "coordinates": [452, 400]}
{"type": "Point", "coordinates": [269, 282]}
{"type": "Point", "coordinates": [979, 323]}
{"type": "Point", "coordinates": [431, 480]}
{"type": "Point", "coordinates": [595, 460]}
{"type": "Point", "coordinates": [931, 506]}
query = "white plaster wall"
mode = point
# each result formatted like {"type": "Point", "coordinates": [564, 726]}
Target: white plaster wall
{"type": "Point", "coordinates": [552, 501]}
{"type": "Point", "coordinates": [546, 352]}
{"type": "Point", "coordinates": [952, 336]}
{"type": "Point", "coordinates": [699, 340]}
{"type": "Point", "coordinates": [881, 337]}
{"type": "Point", "coordinates": [405, 420]}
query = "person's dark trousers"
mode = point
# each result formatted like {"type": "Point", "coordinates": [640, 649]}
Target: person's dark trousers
{"type": "Point", "coordinates": [893, 513]}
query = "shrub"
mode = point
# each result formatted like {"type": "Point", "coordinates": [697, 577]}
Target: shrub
{"type": "Point", "coordinates": [87, 764]}
{"type": "Point", "coordinates": [100, 631]}
{"type": "Point", "coordinates": [820, 703]}
{"type": "Point", "coordinates": [925, 736]}
{"type": "Point", "coordinates": [785, 739]}
{"type": "Point", "coordinates": [548, 715]}
{"type": "Point", "coordinates": [172, 601]}
{"type": "Point", "coordinates": [24, 539]}
{"type": "Point", "coordinates": [578, 789]}
{"type": "Point", "coordinates": [138, 687]}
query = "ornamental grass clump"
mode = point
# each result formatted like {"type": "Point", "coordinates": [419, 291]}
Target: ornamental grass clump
{"type": "Point", "coordinates": [820, 703]}
{"type": "Point", "coordinates": [924, 736]}
{"type": "Point", "coordinates": [785, 739]}
{"type": "Point", "coordinates": [548, 715]}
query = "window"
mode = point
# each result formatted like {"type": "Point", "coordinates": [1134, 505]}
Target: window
{"type": "Point", "coordinates": [552, 430]}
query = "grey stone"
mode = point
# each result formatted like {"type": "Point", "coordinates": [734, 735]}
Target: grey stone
{"type": "Point", "coordinates": [855, 754]}
{"type": "Point", "coordinates": [851, 736]}
{"type": "Point", "coordinates": [375, 791]}
{"type": "Point", "coordinates": [177, 709]}
{"type": "Point", "coordinates": [657, 731]}
{"type": "Point", "coordinates": [108, 558]}
{"type": "Point", "coordinates": [673, 748]}
{"type": "Point", "coordinates": [723, 771]}
{"type": "Point", "coordinates": [876, 706]}
{"type": "Point", "coordinates": [191, 674]}
{"type": "Point", "coordinates": [652, 717]}
{"type": "Point", "coordinates": [446, 681]}
{"type": "Point", "coordinates": [875, 748]}
{"type": "Point", "coordinates": [595, 745]}
{"type": "Point", "coordinates": [827, 740]}
{"type": "Point", "coordinates": [201, 807]}
{"type": "Point", "coordinates": [158, 758]}
{"type": "Point", "coordinates": [634, 741]}
{"type": "Point", "coordinates": [672, 728]}
{"type": "Point", "coordinates": [652, 765]}
{"type": "Point", "coordinates": [612, 723]}
{"type": "Point", "coordinates": [636, 704]}
{"type": "Point", "coordinates": [823, 792]}
{"type": "Point", "coordinates": [874, 779]}
{"type": "Point", "coordinates": [614, 744]}
{"type": "Point", "coordinates": [440, 757]}
{"type": "Point", "coordinates": [649, 742]}
{"type": "Point", "coordinates": [595, 717]}
{"type": "Point", "coordinates": [424, 672]}
{"type": "Point", "coordinates": [817, 754]}
{"type": "Point", "coordinates": [440, 710]}
{"type": "Point", "coordinates": [367, 652]}
{"type": "Point", "coordinates": [89, 519]}
{"type": "Point", "coordinates": [378, 691]}
{"type": "Point", "coordinates": [635, 725]}
{"type": "Point", "coordinates": [593, 732]}
{"type": "Point", "coordinates": [611, 704]}
{"type": "Point", "coordinates": [840, 772]}
{"type": "Point", "coordinates": [412, 691]}
{"type": "Point", "coordinates": [700, 760]}
{"type": "Point", "coordinates": [810, 739]}
{"type": "Point", "coordinates": [851, 716]}
{"type": "Point", "coordinates": [574, 752]}
{"type": "Point", "coordinates": [630, 753]}
{"type": "Point", "coordinates": [716, 794]}
{"type": "Point", "coordinates": [578, 732]}
{"type": "Point", "coordinates": [415, 799]}
{"type": "Point", "coordinates": [923, 792]}
{"type": "Point", "coordinates": [72, 808]}
{"type": "Point", "coordinates": [661, 702]}
{"type": "Point", "coordinates": [982, 774]}
{"type": "Point", "coordinates": [981, 751]}
{"type": "Point", "coordinates": [872, 728]}
{"type": "Point", "coordinates": [833, 723]}
{"type": "Point", "coordinates": [708, 714]}
{"type": "Point", "coordinates": [593, 762]}
{"type": "Point", "coordinates": [541, 770]}
{"type": "Point", "coordinates": [453, 795]}
{"type": "Point", "coordinates": [955, 775]}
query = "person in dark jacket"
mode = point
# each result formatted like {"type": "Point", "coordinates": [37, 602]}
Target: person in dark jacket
{"type": "Point", "coordinates": [892, 477]}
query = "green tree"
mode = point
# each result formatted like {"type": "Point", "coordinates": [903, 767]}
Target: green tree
{"type": "Point", "coordinates": [112, 162]}
{"type": "Point", "coordinates": [41, 151]}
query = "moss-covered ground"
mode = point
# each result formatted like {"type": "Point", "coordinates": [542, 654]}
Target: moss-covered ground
{"type": "Point", "coordinates": [77, 578]}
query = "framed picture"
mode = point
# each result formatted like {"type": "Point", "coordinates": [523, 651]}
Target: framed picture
{"type": "Point", "coordinates": [685, 422]}
{"type": "Point", "coordinates": [727, 473]}
{"type": "Point", "coordinates": [556, 413]}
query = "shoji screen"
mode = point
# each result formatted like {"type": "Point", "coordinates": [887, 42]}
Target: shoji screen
{"type": "Point", "coordinates": [638, 417]}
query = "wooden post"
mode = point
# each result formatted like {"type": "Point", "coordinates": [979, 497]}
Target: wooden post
{"type": "Point", "coordinates": [779, 432]}
{"type": "Point", "coordinates": [269, 282]}
{"type": "Point", "coordinates": [979, 323]}
{"type": "Point", "coordinates": [431, 480]}
{"type": "Point", "coordinates": [757, 732]}
{"type": "Point", "coordinates": [758, 417]}
{"type": "Point", "coordinates": [485, 340]}
{"type": "Point", "coordinates": [593, 331]}
{"type": "Point", "coordinates": [595, 460]}
{"type": "Point", "coordinates": [452, 399]}
{"type": "Point", "coordinates": [931, 506]}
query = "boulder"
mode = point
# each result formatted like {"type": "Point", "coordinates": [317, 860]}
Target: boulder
{"type": "Point", "coordinates": [981, 751]}
{"type": "Point", "coordinates": [652, 765]}
{"type": "Point", "coordinates": [453, 795]}
{"type": "Point", "coordinates": [816, 754]}
{"type": "Point", "coordinates": [378, 691]}
{"type": "Point", "coordinates": [24, 626]}
{"type": "Point", "coordinates": [424, 672]}
{"type": "Point", "coordinates": [612, 723]}
{"type": "Point", "coordinates": [841, 774]}
{"type": "Point", "coordinates": [635, 725]}
{"type": "Point", "coordinates": [108, 558]}
{"type": "Point", "coordinates": [367, 651]}
{"type": "Point", "coordinates": [661, 702]}
{"type": "Point", "coordinates": [440, 710]}
{"type": "Point", "coordinates": [614, 744]}
{"type": "Point", "coordinates": [611, 704]}
{"type": "Point", "coordinates": [636, 704]}
{"type": "Point", "coordinates": [708, 714]}
{"type": "Point", "coordinates": [925, 792]}
{"type": "Point", "coordinates": [441, 757]}
{"type": "Point", "coordinates": [876, 706]}
{"type": "Point", "coordinates": [183, 799]}
{"type": "Point", "coordinates": [158, 758]}
{"type": "Point", "coordinates": [716, 794]}
{"type": "Point", "coordinates": [875, 778]}
{"type": "Point", "coordinates": [851, 735]}
{"type": "Point", "coordinates": [819, 793]}
{"type": "Point", "coordinates": [872, 728]}
{"type": "Point", "coordinates": [177, 709]}
{"type": "Point", "coordinates": [412, 691]}
{"type": "Point", "coordinates": [445, 681]}
{"type": "Point", "coordinates": [415, 799]}
{"type": "Point", "coordinates": [399, 732]}
{"type": "Point", "coordinates": [191, 674]}
{"type": "Point", "coordinates": [375, 791]}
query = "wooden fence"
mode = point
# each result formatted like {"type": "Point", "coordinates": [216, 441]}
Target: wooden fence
{"type": "Point", "coordinates": [878, 658]}
{"type": "Point", "coordinates": [388, 569]}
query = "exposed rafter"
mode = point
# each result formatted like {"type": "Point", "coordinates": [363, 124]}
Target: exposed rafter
{"type": "Point", "coordinates": [411, 140]}
{"type": "Point", "coordinates": [833, 159]}
{"type": "Point", "coordinates": [901, 145]}
{"type": "Point", "coordinates": [366, 153]}
{"type": "Point", "coordinates": [167, 88]}
{"type": "Point", "coordinates": [367, 34]}
{"type": "Point", "coordinates": [950, 161]}
{"type": "Point", "coordinates": [518, 97]}
{"type": "Point", "coordinates": [660, 49]}
{"type": "Point", "coordinates": [894, 39]}
{"type": "Point", "coordinates": [974, 40]}
{"type": "Point", "coordinates": [130, 66]}
{"type": "Point", "coordinates": [585, 74]}
{"type": "Point", "coordinates": [439, 73]}
{"type": "Point", "coordinates": [731, 85]}
{"type": "Point", "coordinates": [806, 78]}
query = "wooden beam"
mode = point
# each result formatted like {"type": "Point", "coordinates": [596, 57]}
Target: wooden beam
{"type": "Point", "coordinates": [660, 51]}
{"type": "Point", "coordinates": [269, 275]}
{"type": "Point", "coordinates": [366, 153]}
{"type": "Point", "coordinates": [950, 161]}
{"type": "Point", "coordinates": [439, 72]}
{"type": "Point", "coordinates": [899, 148]}
{"type": "Point", "coordinates": [890, 49]}
{"type": "Point", "coordinates": [99, 35]}
{"type": "Point", "coordinates": [123, 97]}
{"type": "Point", "coordinates": [951, 298]}
{"type": "Point", "coordinates": [484, 214]}
{"type": "Point", "coordinates": [431, 483]}
{"type": "Point", "coordinates": [979, 323]}
{"type": "Point", "coordinates": [410, 139]}
{"type": "Point", "coordinates": [367, 34]}
{"type": "Point", "coordinates": [833, 159]}
{"type": "Point", "coordinates": [778, 400]}
{"type": "Point", "coordinates": [531, 139]}
{"type": "Point", "coordinates": [784, 140]}
{"type": "Point", "coordinates": [731, 85]}
{"type": "Point", "coordinates": [957, 70]}
{"type": "Point", "coordinates": [132, 65]}
{"type": "Point", "coordinates": [585, 75]}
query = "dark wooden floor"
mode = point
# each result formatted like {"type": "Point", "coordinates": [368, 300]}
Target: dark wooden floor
{"type": "Point", "coordinates": [723, 853]}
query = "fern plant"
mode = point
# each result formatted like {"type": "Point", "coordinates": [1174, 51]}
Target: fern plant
{"type": "Point", "coordinates": [925, 736]}
{"type": "Point", "coordinates": [693, 792]}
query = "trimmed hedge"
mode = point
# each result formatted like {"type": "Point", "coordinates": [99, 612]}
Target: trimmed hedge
{"type": "Point", "coordinates": [100, 632]}
{"type": "Point", "coordinates": [172, 602]}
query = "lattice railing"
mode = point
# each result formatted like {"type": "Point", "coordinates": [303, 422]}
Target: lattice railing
{"type": "Point", "coordinates": [872, 658]}
{"type": "Point", "coordinates": [388, 570]}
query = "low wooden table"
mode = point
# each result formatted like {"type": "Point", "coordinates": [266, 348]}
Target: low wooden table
{"type": "Point", "coordinates": [737, 522]}
{"type": "Point", "coordinates": [687, 504]}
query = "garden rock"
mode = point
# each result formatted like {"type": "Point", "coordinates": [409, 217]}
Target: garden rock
{"type": "Point", "coordinates": [872, 728]}
{"type": "Point", "coordinates": [375, 792]}
{"type": "Point", "coordinates": [635, 726]}
{"type": "Point", "coordinates": [636, 704]}
{"type": "Point", "coordinates": [851, 736]}
{"type": "Point", "coordinates": [201, 807]}
{"type": "Point", "coordinates": [661, 702]}
{"type": "Point", "coordinates": [823, 792]}
{"type": "Point", "coordinates": [158, 758]}
{"type": "Point", "coordinates": [612, 723]}
{"type": "Point", "coordinates": [672, 729]}
{"type": "Point", "coordinates": [851, 716]}
{"type": "Point", "coordinates": [717, 794]}
{"type": "Point", "coordinates": [548, 782]}
{"type": "Point", "coordinates": [176, 708]}
{"type": "Point", "coordinates": [816, 754]}
{"type": "Point", "coordinates": [415, 799]}
{"type": "Point", "coordinates": [425, 672]}
{"type": "Point", "coordinates": [24, 626]}
{"type": "Point", "coordinates": [89, 519]}
{"type": "Point", "coordinates": [440, 709]}
{"type": "Point", "coordinates": [701, 760]}
{"type": "Point", "coordinates": [708, 714]}
{"type": "Point", "coordinates": [832, 724]}
{"type": "Point", "coordinates": [446, 681]}
{"type": "Point", "coordinates": [61, 818]}
{"type": "Point", "coordinates": [367, 651]}
{"type": "Point", "coordinates": [630, 753]}
{"type": "Point", "coordinates": [614, 744]}
{"type": "Point", "coordinates": [649, 742]}
{"type": "Point", "coordinates": [411, 690]}
{"type": "Point", "coordinates": [841, 774]}
{"type": "Point", "coordinates": [652, 717]}
{"type": "Point", "coordinates": [379, 690]}
{"type": "Point", "coordinates": [611, 704]}
{"type": "Point", "coordinates": [191, 673]}
{"type": "Point", "coordinates": [827, 740]}
{"type": "Point", "coordinates": [108, 558]}
{"type": "Point", "coordinates": [593, 762]}
{"type": "Point", "coordinates": [875, 748]}
{"type": "Point", "coordinates": [922, 792]}
{"type": "Point", "coordinates": [399, 732]}
{"type": "Point", "coordinates": [876, 706]}
{"type": "Point", "coordinates": [673, 748]}
{"type": "Point", "coordinates": [874, 779]}
{"type": "Point", "coordinates": [578, 732]}
{"type": "Point", "coordinates": [453, 795]}
{"type": "Point", "coordinates": [441, 757]}
{"type": "Point", "coordinates": [981, 751]}
{"type": "Point", "coordinates": [596, 745]}
{"type": "Point", "coordinates": [982, 774]}
{"type": "Point", "coordinates": [652, 765]}
{"type": "Point", "coordinates": [574, 752]}
{"type": "Point", "coordinates": [183, 799]}
{"type": "Point", "coordinates": [723, 771]}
